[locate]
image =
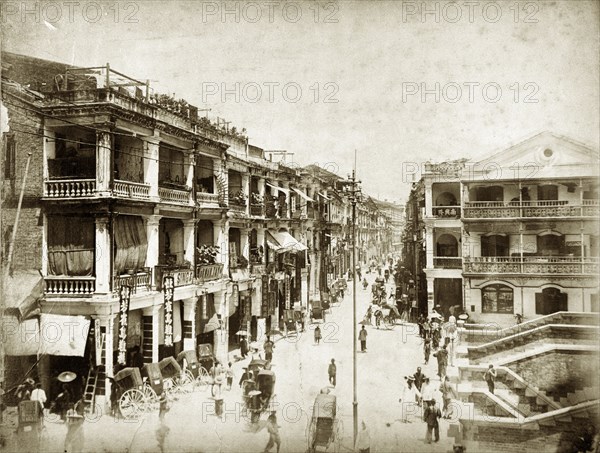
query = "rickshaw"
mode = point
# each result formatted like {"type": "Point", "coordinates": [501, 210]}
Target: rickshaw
{"type": "Point", "coordinates": [387, 315]}
{"type": "Point", "coordinates": [378, 293]}
{"type": "Point", "coordinates": [192, 369]}
{"type": "Point", "coordinates": [206, 357]}
{"type": "Point", "coordinates": [290, 322]}
{"type": "Point", "coordinates": [256, 365]}
{"type": "Point", "coordinates": [323, 428]}
{"type": "Point", "coordinates": [153, 383]}
{"type": "Point", "coordinates": [135, 396]}
{"type": "Point", "coordinates": [317, 311]}
{"type": "Point", "coordinates": [259, 395]}
{"type": "Point", "coordinates": [174, 378]}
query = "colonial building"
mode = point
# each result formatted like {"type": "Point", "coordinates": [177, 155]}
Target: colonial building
{"type": "Point", "coordinates": [515, 233]}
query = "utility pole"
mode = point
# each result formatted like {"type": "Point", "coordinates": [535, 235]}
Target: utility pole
{"type": "Point", "coordinates": [352, 189]}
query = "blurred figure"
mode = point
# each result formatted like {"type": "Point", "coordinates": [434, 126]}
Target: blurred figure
{"type": "Point", "coordinates": [363, 440]}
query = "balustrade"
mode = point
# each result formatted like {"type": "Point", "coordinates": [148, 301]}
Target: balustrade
{"type": "Point", "coordinates": [70, 286]}
{"type": "Point", "coordinates": [207, 198]}
{"type": "Point", "coordinates": [531, 209]}
{"type": "Point", "coordinates": [530, 265]}
{"type": "Point", "coordinates": [70, 188]}
{"type": "Point", "coordinates": [130, 189]}
{"type": "Point", "coordinates": [140, 281]}
{"type": "Point", "coordinates": [181, 277]}
{"type": "Point", "coordinates": [175, 196]}
{"type": "Point", "coordinates": [208, 272]}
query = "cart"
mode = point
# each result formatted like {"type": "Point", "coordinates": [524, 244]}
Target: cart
{"type": "Point", "coordinates": [290, 322]}
{"type": "Point", "coordinates": [317, 312]}
{"type": "Point", "coordinates": [135, 397]}
{"type": "Point", "coordinates": [388, 315]}
{"type": "Point", "coordinates": [323, 428]}
{"type": "Point", "coordinates": [256, 365]}
{"type": "Point", "coordinates": [265, 384]}
{"type": "Point", "coordinates": [153, 384]}
{"type": "Point", "coordinates": [195, 372]}
{"type": "Point", "coordinates": [176, 381]}
{"type": "Point", "coordinates": [31, 432]}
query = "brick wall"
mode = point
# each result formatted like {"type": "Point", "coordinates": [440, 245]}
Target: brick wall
{"type": "Point", "coordinates": [560, 372]}
{"type": "Point", "coordinates": [26, 127]}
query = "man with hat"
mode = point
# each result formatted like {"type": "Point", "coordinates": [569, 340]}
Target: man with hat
{"type": "Point", "coordinates": [409, 400]}
{"type": "Point", "coordinates": [432, 416]}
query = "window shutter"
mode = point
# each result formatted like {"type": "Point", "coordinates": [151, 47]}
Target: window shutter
{"type": "Point", "coordinates": [539, 304]}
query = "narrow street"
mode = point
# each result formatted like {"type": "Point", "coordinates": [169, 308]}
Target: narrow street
{"type": "Point", "coordinates": [301, 372]}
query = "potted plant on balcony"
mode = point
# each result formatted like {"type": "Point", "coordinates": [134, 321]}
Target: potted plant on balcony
{"type": "Point", "coordinates": [257, 199]}
{"type": "Point", "coordinates": [239, 198]}
{"type": "Point", "coordinates": [207, 254]}
{"type": "Point", "coordinates": [186, 265]}
{"type": "Point", "coordinates": [242, 262]}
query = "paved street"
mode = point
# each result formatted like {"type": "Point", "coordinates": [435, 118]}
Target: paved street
{"type": "Point", "coordinates": [301, 370]}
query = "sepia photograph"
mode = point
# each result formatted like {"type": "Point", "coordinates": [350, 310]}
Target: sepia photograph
{"type": "Point", "coordinates": [299, 226]}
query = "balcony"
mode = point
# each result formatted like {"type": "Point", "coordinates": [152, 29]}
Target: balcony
{"type": "Point", "coordinates": [447, 262]}
{"type": "Point", "coordinates": [209, 272]}
{"type": "Point", "coordinates": [174, 196]}
{"type": "Point", "coordinates": [556, 265]}
{"type": "Point", "coordinates": [69, 286]}
{"type": "Point", "coordinates": [129, 189]}
{"type": "Point", "coordinates": [138, 282]}
{"type": "Point", "coordinates": [446, 212]}
{"type": "Point", "coordinates": [69, 188]}
{"type": "Point", "coordinates": [530, 209]}
{"type": "Point", "coordinates": [256, 210]}
{"type": "Point", "coordinates": [182, 277]}
{"type": "Point", "coordinates": [207, 198]}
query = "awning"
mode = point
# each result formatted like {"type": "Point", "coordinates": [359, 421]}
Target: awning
{"type": "Point", "coordinates": [51, 334]}
{"type": "Point", "coordinates": [21, 294]}
{"type": "Point", "coordinates": [280, 189]}
{"type": "Point", "coordinates": [284, 242]}
{"type": "Point", "coordinates": [302, 194]}
{"type": "Point", "coordinates": [324, 196]}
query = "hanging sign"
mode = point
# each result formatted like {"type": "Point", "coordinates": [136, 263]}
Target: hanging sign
{"type": "Point", "coordinates": [287, 290]}
{"type": "Point", "coordinates": [169, 286]}
{"type": "Point", "coordinates": [124, 298]}
{"type": "Point", "coordinates": [264, 305]}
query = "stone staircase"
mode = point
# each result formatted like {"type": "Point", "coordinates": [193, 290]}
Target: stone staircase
{"type": "Point", "coordinates": [520, 416]}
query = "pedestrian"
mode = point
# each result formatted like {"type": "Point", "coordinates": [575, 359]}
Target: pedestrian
{"type": "Point", "coordinates": [268, 347]}
{"type": "Point", "coordinates": [39, 395]}
{"type": "Point", "coordinates": [427, 392]}
{"type": "Point", "coordinates": [419, 378]}
{"type": "Point", "coordinates": [420, 324]}
{"type": "Point", "coordinates": [410, 399]}
{"type": "Point", "coordinates": [369, 315]}
{"type": "Point", "coordinates": [426, 329]}
{"type": "Point", "coordinates": [114, 398]}
{"type": "Point", "coordinates": [447, 395]}
{"type": "Point", "coordinates": [363, 440]}
{"type": "Point", "coordinates": [229, 375]}
{"type": "Point", "coordinates": [243, 347]}
{"type": "Point", "coordinates": [490, 378]}
{"type": "Point", "coordinates": [63, 402]}
{"type": "Point", "coordinates": [317, 334]}
{"type": "Point", "coordinates": [432, 416]}
{"type": "Point", "coordinates": [378, 318]}
{"type": "Point", "coordinates": [442, 359]}
{"type": "Point", "coordinates": [358, 273]}
{"type": "Point", "coordinates": [332, 371]}
{"type": "Point", "coordinates": [216, 373]}
{"type": "Point", "coordinates": [426, 350]}
{"type": "Point", "coordinates": [362, 336]}
{"type": "Point", "coordinates": [273, 429]}
{"type": "Point", "coordinates": [364, 284]}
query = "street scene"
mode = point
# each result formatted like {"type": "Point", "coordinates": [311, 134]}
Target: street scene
{"type": "Point", "coordinates": [299, 227]}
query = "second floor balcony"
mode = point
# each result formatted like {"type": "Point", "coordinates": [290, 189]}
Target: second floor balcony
{"type": "Point", "coordinates": [447, 262]}
{"type": "Point", "coordinates": [446, 212]}
{"type": "Point", "coordinates": [555, 265]}
{"type": "Point", "coordinates": [178, 196]}
{"type": "Point", "coordinates": [530, 209]}
{"type": "Point", "coordinates": [209, 272]}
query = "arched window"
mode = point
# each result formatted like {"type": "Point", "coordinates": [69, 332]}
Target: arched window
{"type": "Point", "coordinates": [446, 199]}
{"type": "Point", "coordinates": [497, 299]}
{"type": "Point", "coordinates": [447, 245]}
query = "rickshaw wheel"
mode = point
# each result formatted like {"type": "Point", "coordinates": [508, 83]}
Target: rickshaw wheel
{"type": "Point", "coordinates": [312, 432]}
{"type": "Point", "coordinates": [389, 323]}
{"type": "Point", "coordinates": [184, 383]}
{"type": "Point", "coordinates": [132, 403]}
{"type": "Point", "coordinates": [203, 378]}
{"type": "Point", "coordinates": [191, 379]}
{"type": "Point", "coordinates": [151, 398]}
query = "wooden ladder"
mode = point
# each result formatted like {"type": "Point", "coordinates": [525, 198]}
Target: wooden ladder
{"type": "Point", "coordinates": [91, 383]}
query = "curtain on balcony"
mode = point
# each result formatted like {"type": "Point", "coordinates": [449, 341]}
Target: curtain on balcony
{"type": "Point", "coordinates": [131, 243]}
{"type": "Point", "coordinates": [71, 245]}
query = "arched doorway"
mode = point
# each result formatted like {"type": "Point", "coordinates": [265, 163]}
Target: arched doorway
{"type": "Point", "coordinates": [446, 245]}
{"type": "Point", "coordinates": [550, 300]}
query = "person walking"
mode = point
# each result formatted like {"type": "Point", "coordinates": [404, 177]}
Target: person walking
{"type": "Point", "coordinates": [363, 440]}
{"type": "Point", "coordinates": [409, 400]}
{"type": "Point", "coordinates": [317, 334]}
{"type": "Point", "coordinates": [273, 429]}
{"type": "Point", "coordinates": [442, 359]}
{"type": "Point", "coordinates": [427, 392]}
{"type": "Point", "coordinates": [332, 371]}
{"type": "Point", "coordinates": [243, 347]}
{"type": "Point", "coordinates": [419, 378]}
{"type": "Point", "coordinates": [447, 395]}
{"type": "Point", "coordinates": [426, 350]}
{"type": "Point", "coordinates": [216, 373]}
{"type": "Point", "coordinates": [358, 273]}
{"type": "Point", "coordinates": [229, 376]}
{"type": "Point", "coordinates": [490, 378]}
{"type": "Point", "coordinates": [432, 416]}
{"type": "Point", "coordinates": [362, 336]}
{"type": "Point", "coordinates": [39, 395]}
{"type": "Point", "coordinates": [268, 347]}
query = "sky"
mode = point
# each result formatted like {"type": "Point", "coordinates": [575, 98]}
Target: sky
{"type": "Point", "coordinates": [400, 82]}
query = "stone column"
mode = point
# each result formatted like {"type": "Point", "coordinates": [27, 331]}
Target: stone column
{"type": "Point", "coordinates": [152, 255]}
{"type": "Point", "coordinates": [245, 242]}
{"type": "Point", "coordinates": [189, 314]}
{"type": "Point", "coordinates": [221, 338]}
{"type": "Point", "coordinates": [222, 179]}
{"type": "Point", "coordinates": [154, 311]}
{"type": "Point", "coordinates": [188, 241]}
{"type": "Point", "coordinates": [151, 156]}
{"type": "Point", "coordinates": [221, 237]}
{"type": "Point", "coordinates": [246, 190]}
{"type": "Point", "coordinates": [103, 163]}
{"type": "Point", "coordinates": [430, 295]}
{"type": "Point", "coordinates": [260, 240]}
{"type": "Point", "coordinates": [261, 187]}
{"type": "Point", "coordinates": [103, 256]}
{"type": "Point", "coordinates": [188, 173]}
{"type": "Point", "coordinates": [428, 199]}
{"type": "Point", "coordinates": [429, 247]}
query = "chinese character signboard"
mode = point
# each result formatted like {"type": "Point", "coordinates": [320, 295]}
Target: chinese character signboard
{"type": "Point", "coordinates": [124, 297]}
{"type": "Point", "coordinates": [287, 290]}
{"type": "Point", "coordinates": [235, 295]}
{"type": "Point", "coordinates": [264, 306]}
{"type": "Point", "coordinates": [169, 286]}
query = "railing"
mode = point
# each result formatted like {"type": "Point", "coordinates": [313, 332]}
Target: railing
{"type": "Point", "coordinates": [530, 209]}
{"type": "Point", "coordinates": [446, 212]}
{"type": "Point", "coordinates": [236, 204]}
{"type": "Point", "coordinates": [207, 198]}
{"type": "Point", "coordinates": [208, 272]}
{"type": "Point", "coordinates": [70, 188]}
{"type": "Point", "coordinates": [141, 281]}
{"type": "Point", "coordinates": [174, 196]}
{"type": "Point", "coordinates": [130, 189]}
{"type": "Point", "coordinates": [182, 277]}
{"type": "Point", "coordinates": [447, 262]}
{"type": "Point", "coordinates": [530, 265]}
{"type": "Point", "coordinates": [70, 286]}
{"type": "Point", "coordinates": [256, 210]}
